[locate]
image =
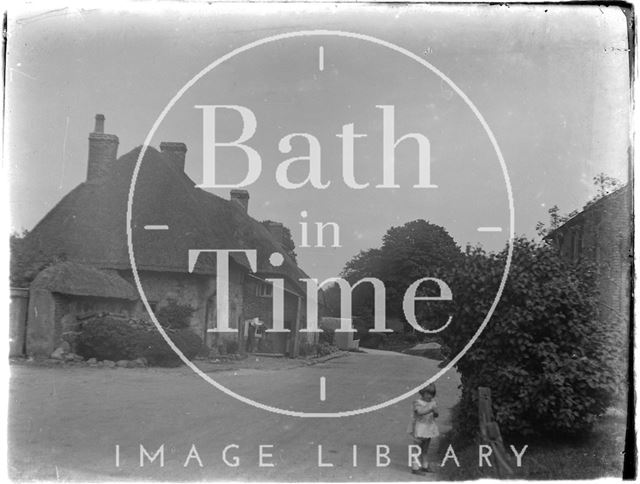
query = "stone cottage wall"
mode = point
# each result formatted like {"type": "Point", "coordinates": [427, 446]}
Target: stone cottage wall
{"type": "Point", "coordinates": [41, 320]}
{"type": "Point", "coordinates": [602, 234]}
{"type": "Point", "coordinates": [53, 317]}
{"type": "Point", "coordinates": [18, 310]}
{"type": "Point", "coordinates": [197, 291]}
{"type": "Point", "coordinates": [236, 311]}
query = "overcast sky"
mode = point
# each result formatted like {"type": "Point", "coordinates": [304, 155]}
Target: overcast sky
{"type": "Point", "coordinates": [551, 82]}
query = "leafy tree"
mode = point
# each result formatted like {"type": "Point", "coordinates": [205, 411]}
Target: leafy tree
{"type": "Point", "coordinates": [287, 242]}
{"type": "Point", "coordinates": [545, 356]}
{"type": "Point", "coordinates": [605, 184]}
{"type": "Point", "coordinates": [554, 217]}
{"type": "Point", "coordinates": [367, 263]}
{"type": "Point", "coordinates": [332, 301]}
{"type": "Point", "coordinates": [541, 230]}
{"type": "Point", "coordinates": [26, 261]}
{"type": "Point", "coordinates": [415, 250]}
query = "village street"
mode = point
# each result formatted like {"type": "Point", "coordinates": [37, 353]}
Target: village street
{"type": "Point", "coordinates": [65, 423]}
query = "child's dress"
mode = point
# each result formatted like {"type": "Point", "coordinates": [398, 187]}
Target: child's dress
{"type": "Point", "coordinates": [424, 426]}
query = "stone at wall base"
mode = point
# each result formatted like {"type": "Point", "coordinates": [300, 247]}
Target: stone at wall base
{"type": "Point", "coordinates": [139, 363]}
{"type": "Point", "coordinates": [58, 354]}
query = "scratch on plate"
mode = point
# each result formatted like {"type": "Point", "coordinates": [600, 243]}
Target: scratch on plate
{"type": "Point", "coordinates": [11, 71]}
{"type": "Point", "coordinates": [42, 15]}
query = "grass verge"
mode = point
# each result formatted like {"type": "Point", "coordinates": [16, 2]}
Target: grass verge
{"type": "Point", "coordinates": [598, 453]}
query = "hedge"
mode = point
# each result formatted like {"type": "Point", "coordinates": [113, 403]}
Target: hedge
{"type": "Point", "coordinates": [547, 358]}
{"type": "Point", "coordinates": [109, 338]}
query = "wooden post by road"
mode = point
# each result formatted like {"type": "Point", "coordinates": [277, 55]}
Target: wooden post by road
{"type": "Point", "coordinates": [294, 347]}
{"type": "Point", "coordinates": [490, 433]}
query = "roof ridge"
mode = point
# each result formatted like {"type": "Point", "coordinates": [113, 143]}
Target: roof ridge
{"type": "Point", "coordinates": [89, 224]}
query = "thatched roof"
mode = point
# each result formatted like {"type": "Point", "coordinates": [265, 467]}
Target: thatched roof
{"type": "Point", "coordinates": [89, 224]}
{"type": "Point", "coordinates": [80, 280]}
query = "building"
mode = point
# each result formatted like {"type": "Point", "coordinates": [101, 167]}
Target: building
{"type": "Point", "coordinates": [87, 230]}
{"type": "Point", "coordinates": [601, 233]}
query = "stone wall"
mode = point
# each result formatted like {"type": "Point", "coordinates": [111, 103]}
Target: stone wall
{"type": "Point", "coordinates": [18, 309]}
{"type": "Point", "coordinates": [601, 233]}
{"type": "Point", "coordinates": [197, 291]}
{"type": "Point", "coordinates": [52, 317]}
{"type": "Point", "coordinates": [41, 321]}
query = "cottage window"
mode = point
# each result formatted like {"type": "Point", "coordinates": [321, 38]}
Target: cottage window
{"type": "Point", "coordinates": [264, 290]}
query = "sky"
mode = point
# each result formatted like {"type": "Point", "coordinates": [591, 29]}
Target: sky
{"type": "Point", "coordinates": [550, 81]}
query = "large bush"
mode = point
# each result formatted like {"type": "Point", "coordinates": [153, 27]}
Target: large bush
{"type": "Point", "coordinates": [545, 355]}
{"type": "Point", "coordinates": [327, 336]}
{"type": "Point", "coordinates": [27, 259]}
{"type": "Point", "coordinates": [153, 347]}
{"type": "Point", "coordinates": [107, 338]}
{"type": "Point", "coordinates": [175, 315]}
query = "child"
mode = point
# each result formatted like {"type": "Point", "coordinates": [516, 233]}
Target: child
{"type": "Point", "coordinates": [423, 427]}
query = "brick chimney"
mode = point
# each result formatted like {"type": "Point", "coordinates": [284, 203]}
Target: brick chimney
{"type": "Point", "coordinates": [276, 229]}
{"type": "Point", "coordinates": [103, 151]}
{"type": "Point", "coordinates": [176, 151]}
{"type": "Point", "coordinates": [241, 197]}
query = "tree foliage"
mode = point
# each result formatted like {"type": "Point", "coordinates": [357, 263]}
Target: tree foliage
{"type": "Point", "coordinates": [604, 184]}
{"type": "Point", "coordinates": [175, 315]}
{"type": "Point", "coordinates": [545, 356]}
{"type": "Point", "coordinates": [26, 262]}
{"type": "Point", "coordinates": [415, 250]}
{"type": "Point", "coordinates": [287, 242]}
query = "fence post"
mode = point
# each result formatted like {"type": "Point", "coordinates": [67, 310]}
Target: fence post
{"type": "Point", "coordinates": [490, 433]}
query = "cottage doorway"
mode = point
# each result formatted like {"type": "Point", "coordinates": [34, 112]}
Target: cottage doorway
{"type": "Point", "coordinates": [280, 341]}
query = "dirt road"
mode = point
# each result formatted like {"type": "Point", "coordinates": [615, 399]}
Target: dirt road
{"type": "Point", "coordinates": [65, 423]}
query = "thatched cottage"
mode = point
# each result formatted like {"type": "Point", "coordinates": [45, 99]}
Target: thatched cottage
{"type": "Point", "coordinates": [87, 229]}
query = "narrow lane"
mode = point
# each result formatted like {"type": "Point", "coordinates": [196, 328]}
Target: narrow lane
{"type": "Point", "coordinates": [65, 423]}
